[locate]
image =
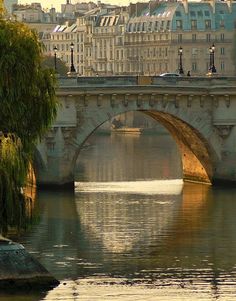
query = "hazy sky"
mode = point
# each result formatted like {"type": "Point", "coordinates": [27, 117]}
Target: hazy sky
{"type": "Point", "coordinates": [57, 3]}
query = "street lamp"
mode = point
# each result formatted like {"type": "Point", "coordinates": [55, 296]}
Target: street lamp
{"type": "Point", "coordinates": [180, 52]}
{"type": "Point", "coordinates": [210, 52]}
{"type": "Point", "coordinates": [213, 68]}
{"type": "Point", "coordinates": [55, 57]}
{"type": "Point", "coordinates": [72, 67]}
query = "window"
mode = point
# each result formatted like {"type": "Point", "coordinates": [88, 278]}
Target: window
{"type": "Point", "coordinates": [194, 37]}
{"type": "Point", "coordinates": [192, 13]}
{"type": "Point", "coordinates": [150, 26]}
{"type": "Point", "coordinates": [178, 13]}
{"type": "Point", "coordinates": [180, 38]}
{"type": "Point", "coordinates": [143, 26]}
{"type": "Point", "coordinates": [207, 13]}
{"type": "Point", "coordinates": [222, 66]}
{"type": "Point", "coordinates": [222, 37]}
{"type": "Point", "coordinates": [199, 13]}
{"type": "Point", "coordinates": [179, 24]}
{"type": "Point", "coordinates": [194, 66]}
{"type": "Point", "coordinates": [207, 24]}
{"type": "Point", "coordinates": [222, 23]}
{"type": "Point", "coordinates": [156, 26]}
{"type": "Point", "coordinates": [193, 24]}
{"type": "Point", "coordinates": [222, 50]}
{"type": "Point", "coordinates": [168, 25]}
{"type": "Point", "coordinates": [208, 37]}
{"type": "Point", "coordinates": [162, 25]}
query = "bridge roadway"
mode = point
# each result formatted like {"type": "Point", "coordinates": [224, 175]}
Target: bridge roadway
{"type": "Point", "coordinates": [199, 113]}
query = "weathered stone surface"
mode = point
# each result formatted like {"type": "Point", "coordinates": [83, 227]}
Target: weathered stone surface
{"type": "Point", "coordinates": [199, 113]}
{"type": "Point", "coordinates": [21, 270]}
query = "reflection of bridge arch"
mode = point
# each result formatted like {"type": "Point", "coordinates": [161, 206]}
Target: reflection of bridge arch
{"type": "Point", "coordinates": [190, 118]}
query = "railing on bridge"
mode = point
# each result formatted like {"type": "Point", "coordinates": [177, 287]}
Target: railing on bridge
{"type": "Point", "coordinates": [109, 81]}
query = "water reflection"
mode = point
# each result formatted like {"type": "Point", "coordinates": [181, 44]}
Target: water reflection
{"type": "Point", "coordinates": [53, 240]}
{"type": "Point", "coordinates": [121, 222]}
{"type": "Point", "coordinates": [180, 241]}
{"type": "Point", "coordinates": [19, 216]}
{"type": "Point", "coordinates": [129, 239]}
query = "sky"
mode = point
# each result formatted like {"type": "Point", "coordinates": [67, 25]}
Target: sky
{"type": "Point", "coordinates": [47, 4]}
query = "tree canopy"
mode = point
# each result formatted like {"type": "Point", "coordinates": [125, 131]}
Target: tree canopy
{"type": "Point", "coordinates": [49, 62]}
{"type": "Point", "coordinates": [27, 107]}
{"type": "Point", "coordinates": [27, 93]}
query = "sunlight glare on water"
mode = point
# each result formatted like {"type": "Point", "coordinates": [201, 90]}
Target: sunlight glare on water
{"type": "Point", "coordinates": [137, 187]}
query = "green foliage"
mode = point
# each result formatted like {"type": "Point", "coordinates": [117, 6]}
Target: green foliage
{"type": "Point", "coordinates": [233, 54]}
{"type": "Point", "coordinates": [27, 93]}
{"type": "Point", "coordinates": [49, 62]}
{"type": "Point", "coordinates": [27, 108]}
{"type": "Point", "coordinates": [13, 167]}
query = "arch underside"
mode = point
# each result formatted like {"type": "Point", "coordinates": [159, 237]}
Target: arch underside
{"type": "Point", "coordinates": [194, 149]}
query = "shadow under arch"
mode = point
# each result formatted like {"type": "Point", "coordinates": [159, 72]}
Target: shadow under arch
{"type": "Point", "coordinates": [197, 155]}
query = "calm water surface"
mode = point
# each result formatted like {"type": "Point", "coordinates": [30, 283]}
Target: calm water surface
{"type": "Point", "coordinates": [132, 230]}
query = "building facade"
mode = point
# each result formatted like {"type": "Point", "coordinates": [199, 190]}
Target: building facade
{"type": "Point", "coordinates": [145, 38]}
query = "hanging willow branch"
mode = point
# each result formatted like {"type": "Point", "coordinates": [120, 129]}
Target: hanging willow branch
{"type": "Point", "coordinates": [27, 108]}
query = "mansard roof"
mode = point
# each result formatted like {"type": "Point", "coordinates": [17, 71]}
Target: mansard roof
{"type": "Point", "coordinates": [172, 15]}
{"type": "Point", "coordinates": [65, 28]}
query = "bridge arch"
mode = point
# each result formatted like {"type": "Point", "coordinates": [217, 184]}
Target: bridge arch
{"type": "Point", "coordinates": [191, 133]}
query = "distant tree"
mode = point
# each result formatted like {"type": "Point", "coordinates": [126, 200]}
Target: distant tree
{"type": "Point", "coordinates": [49, 62]}
{"type": "Point", "coordinates": [27, 108]}
{"type": "Point", "coordinates": [234, 52]}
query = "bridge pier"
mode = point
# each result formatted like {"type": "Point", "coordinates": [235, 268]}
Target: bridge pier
{"type": "Point", "coordinates": [53, 161]}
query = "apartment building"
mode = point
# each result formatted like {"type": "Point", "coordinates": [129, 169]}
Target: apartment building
{"type": "Point", "coordinates": [145, 38]}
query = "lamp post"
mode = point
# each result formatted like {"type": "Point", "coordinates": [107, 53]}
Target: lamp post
{"type": "Point", "coordinates": [180, 52]}
{"type": "Point", "coordinates": [210, 63]}
{"type": "Point", "coordinates": [72, 67]}
{"type": "Point", "coordinates": [55, 57]}
{"type": "Point", "coordinates": [213, 68]}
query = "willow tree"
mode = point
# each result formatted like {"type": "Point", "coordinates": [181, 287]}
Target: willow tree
{"type": "Point", "coordinates": [27, 108]}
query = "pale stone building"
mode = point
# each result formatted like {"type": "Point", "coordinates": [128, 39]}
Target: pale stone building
{"type": "Point", "coordinates": [9, 5]}
{"type": "Point", "coordinates": [108, 43]}
{"type": "Point", "coordinates": [155, 33]}
{"type": "Point", "coordinates": [145, 38]}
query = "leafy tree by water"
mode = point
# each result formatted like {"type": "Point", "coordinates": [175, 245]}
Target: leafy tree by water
{"type": "Point", "coordinates": [27, 108]}
{"type": "Point", "coordinates": [49, 62]}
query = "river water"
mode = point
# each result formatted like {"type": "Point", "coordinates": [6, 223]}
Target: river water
{"type": "Point", "coordinates": [132, 231]}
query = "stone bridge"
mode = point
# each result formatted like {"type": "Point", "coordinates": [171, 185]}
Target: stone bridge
{"type": "Point", "coordinates": [199, 113]}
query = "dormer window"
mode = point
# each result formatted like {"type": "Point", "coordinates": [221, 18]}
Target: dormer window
{"type": "Point", "coordinates": [179, 24]}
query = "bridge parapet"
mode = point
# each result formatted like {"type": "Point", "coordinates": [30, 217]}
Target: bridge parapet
{"type": "Point", "coordinates": [182, 81]}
